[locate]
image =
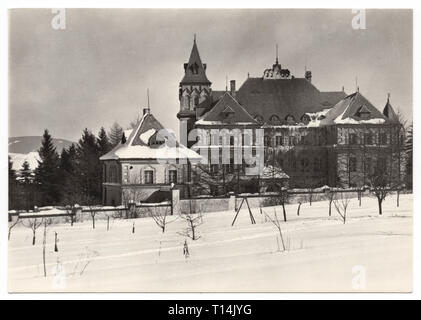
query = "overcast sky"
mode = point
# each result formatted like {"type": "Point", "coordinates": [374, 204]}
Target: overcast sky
{"type": "Point", "coordinates": [97, 70]}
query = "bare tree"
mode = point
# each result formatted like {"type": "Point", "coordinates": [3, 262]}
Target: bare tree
{"type": "Point", "coordinates": [193, 220]}
{"type": "Point", "coordinates": [341, 203]}
{"type": "Point", "coordinates": [161, 217]}
{"type": "Point", "coordinates": [275, 221]}
{"type": "Point", "coordinates": [11, 226]}
{"type": "Point", "coordinates": [33, 224]}
{"type": "Point", "coordinates": [330, 197]}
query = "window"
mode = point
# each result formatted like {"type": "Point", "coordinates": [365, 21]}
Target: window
{"type": "Point", "coordinates": [279, 140]}
{"type": "Point", "coordinates": [173, 176]}
{"type": "Point", "coordinates": [291, 140]}
{"type": "Point", "coordinates": [381, 165]}
{"type": "Point", "coordinates": [352, 165]}
{"type": "Point", "coordinates": [368, 139]}
{"type": "Point", "coordinates": [316, 164]}
{"type": "Point", "coordinates": [148, 177]}
{"type": "Point", "coordinates": [367, 166]}
{"type": "Point", "coordinates": [290, 119]}
{"type": "Point", "coordinates": [126, 174]}
{"type": "Point", "coordinates": [267, 141]}
{"type": "Point", "coordinates": [304, 164]}
{"type": "Point", "coordinates": [214, 168]}
{"type": "Point", "coordinates": [352, 138]}
{"type": "Point", "coordinates": [383, 138]}
{"type": "Point", "coordinates": [112, 174]}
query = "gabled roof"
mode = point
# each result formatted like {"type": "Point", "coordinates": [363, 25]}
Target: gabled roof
{"type": "Point", "coordinates": [195, 72]}
{"type": "Point", "coordinates": [389, 113]}
{"type": "Point", "coordinates": [138, 144]}
{"type": "Point", "coordinates": [347, 111]}
{"type": "Point", "coordinates": [283, 97]}
{"type": "Point", "coordinates": [218, 114]}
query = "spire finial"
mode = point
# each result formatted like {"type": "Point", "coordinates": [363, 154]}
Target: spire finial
{"type": "Point", "coordinates": [277, 61]}
{"type": "Point", "coordinates": [356, 84]}
{"type": "Point", "coordinates": [226, 83]}
{"type": "Point", "coordinates": [388, 96]}
{"type": "Point", "coordinates": [194, 38]}
{"type": "Point", "coordinates": [149, 107]}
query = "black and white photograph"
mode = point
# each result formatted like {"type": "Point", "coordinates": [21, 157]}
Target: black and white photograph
{"type": "Point", "coordinates": [217, 150]}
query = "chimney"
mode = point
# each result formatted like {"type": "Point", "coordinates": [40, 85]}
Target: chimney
{"type": "Point", "coordinates": [308, 76]}
{"type": "Point", "coordinates": [232, 88]}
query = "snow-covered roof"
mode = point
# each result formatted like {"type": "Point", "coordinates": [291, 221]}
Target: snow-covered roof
{"type": "Point", "coordinates": [139, 144]}
{"type": "Point", "coordinates": [350, 110]}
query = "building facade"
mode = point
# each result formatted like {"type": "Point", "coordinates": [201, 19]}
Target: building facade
{"type": "Point", "coordinates": [310, 139]}
{"type": "Point", "coordinates": [147, 165]}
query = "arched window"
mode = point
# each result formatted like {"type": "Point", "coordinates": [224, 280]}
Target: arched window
{"type": "Point", "coordinates": [274, 119]}
{"type": "Point", "coordinates": [290, 119]}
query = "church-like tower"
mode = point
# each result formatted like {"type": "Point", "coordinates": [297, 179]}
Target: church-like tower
{"type": "Point", "coordinates": [194, 89]}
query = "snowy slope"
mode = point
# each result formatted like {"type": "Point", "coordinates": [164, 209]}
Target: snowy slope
{"type": "Point", "coordinates": [322, 255]}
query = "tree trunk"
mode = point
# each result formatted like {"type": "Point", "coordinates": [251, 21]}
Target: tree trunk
{"type": "Point", "coordinates": [284, 212]}
{"type": "Point", "coordinates": [330, 208]}
{"type": "Point", "coordinates": [55, 242]}
{"type": "Point", "coordinates": [397, 199]}
{"type": "Point", "coordinates": [33, 238]}
{"type": "Point", "coordinates": [93, 222]}
{"type": "Point", "coordinates": [108, 223]}
{"type": "Point", "coordinates": [380, 206]}
{"type": "Point", "coordinates": [298, 209]}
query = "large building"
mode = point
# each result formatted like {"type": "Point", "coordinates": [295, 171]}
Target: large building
{"type": "Point", "coordinates": [311, 138]}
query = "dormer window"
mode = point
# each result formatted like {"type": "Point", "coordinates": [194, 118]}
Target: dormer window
{"type": "Point", "coordinates": [194, 68]}
{"type": "Point", "coordinates": [290, 119]}
{"type": "Point", "coordinates": [363, 112]}
{"type": "Point", "coordinates": [274, 119]}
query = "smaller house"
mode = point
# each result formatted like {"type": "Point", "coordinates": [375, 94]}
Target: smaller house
{"type": "Point", "coordinates": [148, 162]}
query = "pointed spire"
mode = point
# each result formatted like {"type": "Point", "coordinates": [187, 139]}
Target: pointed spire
{"type": "Point", "coordinates": [388, 110]}
{"type": "Point", "coordinates": [277, 60]}
{"type": "Point", "coordinates": [226, 83]}
{"type": "Point", "coordinates": [195, 70]}
{"type": "Point", "coordinates": [149, 107]}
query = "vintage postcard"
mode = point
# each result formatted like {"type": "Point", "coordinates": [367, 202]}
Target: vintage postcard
{"type": "Point", "coordinates": [210, 150]}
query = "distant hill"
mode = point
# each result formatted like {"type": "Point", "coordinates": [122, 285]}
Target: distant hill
{"type": "Point", "coordinates": [26, 149]}
{"type": "Point", "coordinates": [29, 144]}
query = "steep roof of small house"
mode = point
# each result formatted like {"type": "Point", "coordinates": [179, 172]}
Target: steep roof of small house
{"type": "Point", "coordinates": [349, 111]}
{"type": "Point", "coordinates": [284, 97]}
{"type": "Point", "coordinates": [224, 106]}
{"type": "Point", "coordinates": [140, 144]}
{"type": "Point", "coordinates": [195, 72]}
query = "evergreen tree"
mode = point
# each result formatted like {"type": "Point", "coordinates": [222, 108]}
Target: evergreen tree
{"type": "Point", "coordinates": [116, 132]}
{"type": "Point", "coordinates": [26, 180]}
{"type": "Point", "coordinates": [70, 194]}
{"type": "Point", "coordinates": [103, 142]}
{"type": "Point", "coordinates": [47, 174]}
{"type": "Point", "coordinates": [89, 166]}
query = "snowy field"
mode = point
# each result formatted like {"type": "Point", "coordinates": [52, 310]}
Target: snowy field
{"type": "Point", "coordinates": [324, 255]}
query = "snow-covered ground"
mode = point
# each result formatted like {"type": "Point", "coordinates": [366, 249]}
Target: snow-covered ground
{"type": "Point", "coordinates": [324, 254]}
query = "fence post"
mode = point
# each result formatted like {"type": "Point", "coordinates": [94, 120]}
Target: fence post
{"type": "Point", "coordinates": [175, 203]}
{"type": "Point", "coordinates": [231, 203]}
